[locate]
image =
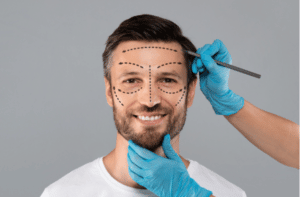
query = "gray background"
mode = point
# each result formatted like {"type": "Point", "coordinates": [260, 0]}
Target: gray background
{"type": "Point", "coordinates": [53, 112]}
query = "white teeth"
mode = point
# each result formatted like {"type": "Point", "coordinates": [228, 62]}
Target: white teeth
{"type": "Point", "coordinates": [149, 118]}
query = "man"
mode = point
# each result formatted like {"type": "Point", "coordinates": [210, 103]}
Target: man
{"type": "Point", "coordinates": [150, 84]}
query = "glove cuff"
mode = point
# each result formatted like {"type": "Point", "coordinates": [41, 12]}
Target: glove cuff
{"type": "Point", "coordinates": [227, 104]}
{"type": "Point", "coordinates": [195, 190]}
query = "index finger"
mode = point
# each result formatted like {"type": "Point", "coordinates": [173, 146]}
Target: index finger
{"type": "Point", "coordinates": [216, 47]}
{"type": "Point", "coordinates": [142, 152]}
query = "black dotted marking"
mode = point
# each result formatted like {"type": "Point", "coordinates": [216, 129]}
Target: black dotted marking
{"type": "Point", "coordinates": [149, 47]}
{"type": "Point", "coordinates": [169, 92]}
{"type": "Point", "coordinates": [181, 96]}
{"type": "Point", "coordinates": [150, 81]}
{"type": "Point", "coordinates": [131, 63]}
{"type": "Point", "coordinates": [169, 63]}
{"type": "Point", "coordinates": [117, 96]}
{"type": "Point", "coordinates": [129, 92]}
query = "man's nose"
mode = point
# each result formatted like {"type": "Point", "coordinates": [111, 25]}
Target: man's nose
{"type": "Point", "coordinates": [149, 95]}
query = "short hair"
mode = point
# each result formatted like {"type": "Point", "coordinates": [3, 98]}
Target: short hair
{"type": "Point", "coordinates": [148, 28]}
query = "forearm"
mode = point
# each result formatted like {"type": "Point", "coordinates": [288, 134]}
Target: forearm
{"type": "Point", "coordinates": [274, 135]}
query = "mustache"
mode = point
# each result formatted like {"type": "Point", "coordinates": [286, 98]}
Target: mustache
{"type": "Point", "coordinates": [155, 109]}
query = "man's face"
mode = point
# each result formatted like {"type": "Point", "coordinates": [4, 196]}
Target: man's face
{"type": "Point", "coordinates": [148, 91]}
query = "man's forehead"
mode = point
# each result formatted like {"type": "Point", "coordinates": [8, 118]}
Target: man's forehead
{"type": "Point", "coordinates": [148, 52]}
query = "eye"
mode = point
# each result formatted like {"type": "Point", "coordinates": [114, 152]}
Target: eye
{"type": "Point", "coordinates": [169, 80]}
{"type": "Point", "coordinates": [130, 81]}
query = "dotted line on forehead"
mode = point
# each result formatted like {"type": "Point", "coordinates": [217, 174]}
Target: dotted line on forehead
{"type": "Point", "coordinates": [181, 96]}
{"type": "Point", "coordinates": [143, 67]}
{"type": "Point", "coordinates": [168, 64]}
{"type": "Point", "coordinates": [131, 64]}
{"type": "Point", "coordinates": [149, 47]}
{"type": "Point", "coordinates": [117, 96]}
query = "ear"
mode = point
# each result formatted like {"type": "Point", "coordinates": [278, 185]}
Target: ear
{"type": "Point", "coordinates": [191, 95]}
{"type": "Point", "coordinates": [108, 93]}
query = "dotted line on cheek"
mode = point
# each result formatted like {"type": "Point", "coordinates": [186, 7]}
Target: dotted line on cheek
{"type": "Point", "coordinates": [181, 96]}
{"type": "Point", "coordinates": [131, 64]}
{"type": "Point", "coordinates": [149, 47]}
{"type": "Point", "coordinates": [168, 64]}
{"type": "Point", "coordinates": [150, 81]}
{"type": "Point", "coordinates": [117, 96]}
{"type": "Point", "coordinates": [129, 92]}
{"type": "Point", "coordinates": [169, 92]}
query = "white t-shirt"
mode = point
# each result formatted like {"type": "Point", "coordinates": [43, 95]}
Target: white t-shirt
{"type": "Point", "coordinates": [93, 180]}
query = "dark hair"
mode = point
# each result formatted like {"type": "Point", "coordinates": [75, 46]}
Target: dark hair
{"type": "Point", "coordinates": [149, 28]}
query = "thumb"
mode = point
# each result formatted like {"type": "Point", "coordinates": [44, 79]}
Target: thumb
{"type": "Point", "coordinates": [168, 149]}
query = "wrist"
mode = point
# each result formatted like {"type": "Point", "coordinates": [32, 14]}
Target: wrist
{"type": "Point", "coordinates": [227, 104]}
{"type": "Point", "coordinates": [193, 189]}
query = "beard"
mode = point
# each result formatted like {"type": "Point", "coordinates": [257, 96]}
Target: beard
{"type": "Point", "coordinates": [150, 138]}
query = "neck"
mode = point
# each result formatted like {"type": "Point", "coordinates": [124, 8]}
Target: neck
{"type": "Point", "coordinates": [116, 161]}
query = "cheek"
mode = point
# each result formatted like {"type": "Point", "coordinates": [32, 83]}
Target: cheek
{"type": "Point", "coordinates": [125, 96]}
{"type": "Point", "coordinates": [174, 96]}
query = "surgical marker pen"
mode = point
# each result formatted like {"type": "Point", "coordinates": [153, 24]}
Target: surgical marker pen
{"type": "Point", "coordinates": [228, 65]}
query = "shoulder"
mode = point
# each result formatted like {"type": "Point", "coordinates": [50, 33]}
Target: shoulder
{"type": "Point", "coordinates": [214, 182]}
{"type": "Point", "coordinates": [76, 180]}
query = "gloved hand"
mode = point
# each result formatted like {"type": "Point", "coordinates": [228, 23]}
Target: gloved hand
{"type": "Point", "coordinates": [214, 78]}
{"type": "Point", "coordinates": [165, 177]}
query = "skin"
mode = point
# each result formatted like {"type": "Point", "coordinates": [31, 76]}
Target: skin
{"type": "Point", "coordinates": [125, 106]}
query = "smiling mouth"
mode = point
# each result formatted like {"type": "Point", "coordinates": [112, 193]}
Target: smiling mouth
{"type": "Point", "coordinates": [150, 118]}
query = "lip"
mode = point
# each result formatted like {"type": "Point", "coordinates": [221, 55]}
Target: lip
{"type": "Point", "coordinates": [151, 122]}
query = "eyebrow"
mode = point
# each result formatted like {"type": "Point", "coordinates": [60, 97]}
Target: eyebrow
{"type": "Point", "coordinates": [129, 73]}
{"type": "Point", "coordinates": [171, 73]}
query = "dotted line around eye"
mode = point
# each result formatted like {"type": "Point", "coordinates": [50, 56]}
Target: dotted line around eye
{"type": "Point", "coordinates": [129, 92]}
{"type": "Point", "coordinates": [181, 97]}
{"type": "Point", "coordinates": [150, 81]}
{"type": "Point", "coordinates": [169, 63]}
{"type": "Point", "coordinates": [170, 92]}
{"type": "Point", "coordinates": [117, 96]}
{"type": "Point", "coordinates": [149, 47]}
{"type": "Point", "coordinates": [131, 64]}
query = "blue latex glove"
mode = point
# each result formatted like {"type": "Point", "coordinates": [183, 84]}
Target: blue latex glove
{"type": "Point", "coordinates": [214, 78]}
{"type": "Point", "coordinates": [165, 177]}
